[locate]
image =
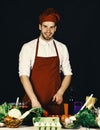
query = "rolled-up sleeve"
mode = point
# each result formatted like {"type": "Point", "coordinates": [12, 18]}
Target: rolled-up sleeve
{"type": "Point", "coordinates": [65, 62]}
{"type": "Point", "coordinates": [24, 61]}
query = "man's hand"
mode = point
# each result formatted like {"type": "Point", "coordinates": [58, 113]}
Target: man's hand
{"type": "Point", "coordinates": [58, 98]}
{"type": "Point", "coordinates": [36, 103]}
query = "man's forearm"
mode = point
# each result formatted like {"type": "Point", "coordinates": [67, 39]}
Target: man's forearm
{"type": "Point", "coordinates": [28, 87]}
{"type": "Point", "coordinates": [65, 84]}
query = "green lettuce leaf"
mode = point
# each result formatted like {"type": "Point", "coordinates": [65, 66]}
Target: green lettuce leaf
{"type": "Point", "coordinates": [4, 108]}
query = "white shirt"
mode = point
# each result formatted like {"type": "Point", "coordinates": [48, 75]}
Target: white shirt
{"type": "Point", "coordinates": [45, 49]}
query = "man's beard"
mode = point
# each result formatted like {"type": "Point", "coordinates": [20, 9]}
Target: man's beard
{"type": "Point", "coordinates": [46, 38]}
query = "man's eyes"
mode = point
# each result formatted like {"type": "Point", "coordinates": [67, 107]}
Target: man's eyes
{"type": "Point", "coordinates": [49, 27]}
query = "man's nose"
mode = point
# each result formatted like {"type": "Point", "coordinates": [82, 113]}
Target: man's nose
{"type": "Point", "coordinates": [48, 29]}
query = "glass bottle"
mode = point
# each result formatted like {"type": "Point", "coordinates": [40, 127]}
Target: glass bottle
{"type": "Point", "coordinates": [71, 101]}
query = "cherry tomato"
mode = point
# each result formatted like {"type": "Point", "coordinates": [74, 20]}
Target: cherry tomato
{"type": "Point", "coordinates": [45, 113]}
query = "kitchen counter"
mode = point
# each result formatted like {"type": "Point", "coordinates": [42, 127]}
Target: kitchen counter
{"type": "Point", "coordinates": [32, 128]}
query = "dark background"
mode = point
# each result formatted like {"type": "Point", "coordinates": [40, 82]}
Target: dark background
{"type": "Point", "coordinates": [79, 29]}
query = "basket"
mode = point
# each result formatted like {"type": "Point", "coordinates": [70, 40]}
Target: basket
{"type": "Point", "coordinates": [13, 123]}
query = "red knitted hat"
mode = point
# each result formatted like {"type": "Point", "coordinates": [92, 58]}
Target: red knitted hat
{"type": "Point", "coordinates": [49, 15]}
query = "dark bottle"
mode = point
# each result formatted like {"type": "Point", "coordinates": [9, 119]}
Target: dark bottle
{"type": "Point", "coordinates": [71, 101]}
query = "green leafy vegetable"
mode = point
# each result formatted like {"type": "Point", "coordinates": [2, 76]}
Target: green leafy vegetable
{"type": "Point", "coordinates": [4, 108]}
{"type": "Point", "coordinates": [37, 119]}
{"type": "Point", "coordinates": [85, 118]}
{"type": "Point", "coordinates": [37, 111]}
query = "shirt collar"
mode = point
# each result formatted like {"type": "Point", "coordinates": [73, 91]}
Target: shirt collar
{"type": "Point", "coordinates": [43, 42]}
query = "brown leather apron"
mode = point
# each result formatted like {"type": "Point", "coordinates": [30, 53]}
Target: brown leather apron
{"type": "Point", "coordinates": [46, 80]}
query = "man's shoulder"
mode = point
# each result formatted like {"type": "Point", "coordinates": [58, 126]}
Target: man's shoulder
{"type": "Point", "coordinates": [30, 43]}
{"type": "Point", "coordinates": [58, 43]}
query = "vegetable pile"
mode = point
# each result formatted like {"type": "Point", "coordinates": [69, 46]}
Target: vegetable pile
{"type": "Point", "coordinates": [84, 118]}
{"type": "Point", "coordinates": [4, 109]}
{"type": "Point", "coordinates": [13, 116]}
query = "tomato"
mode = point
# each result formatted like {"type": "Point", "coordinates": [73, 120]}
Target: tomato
{"type": "Point", "coordinates": [45, 113]}
{"type": "Point", "coordinates": [8, 119]}
{"type": "Point", "coordinates": [63, 117]}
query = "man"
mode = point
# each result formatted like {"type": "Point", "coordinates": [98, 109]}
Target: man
{"type": "Point", "coordinates": [40, 64]}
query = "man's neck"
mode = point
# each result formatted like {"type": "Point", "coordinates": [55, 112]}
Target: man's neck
{"type": "Point", "coordinates": [46, 39]}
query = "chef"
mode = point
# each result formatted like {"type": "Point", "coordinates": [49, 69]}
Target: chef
{"type": "Point", "coordinates": [41, 62]}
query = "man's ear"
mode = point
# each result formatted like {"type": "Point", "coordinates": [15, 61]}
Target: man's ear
{"type": "Point", "coordinates": [55, 28]}
{"type": "Point", "coordinates": [39, 26]}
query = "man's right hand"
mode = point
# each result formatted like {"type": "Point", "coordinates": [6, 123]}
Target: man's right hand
{"type": "Point", "coordinates": [36, 103]}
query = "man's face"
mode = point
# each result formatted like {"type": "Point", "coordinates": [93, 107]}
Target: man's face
{"type": "Point", "coordinates": [47, 30]}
